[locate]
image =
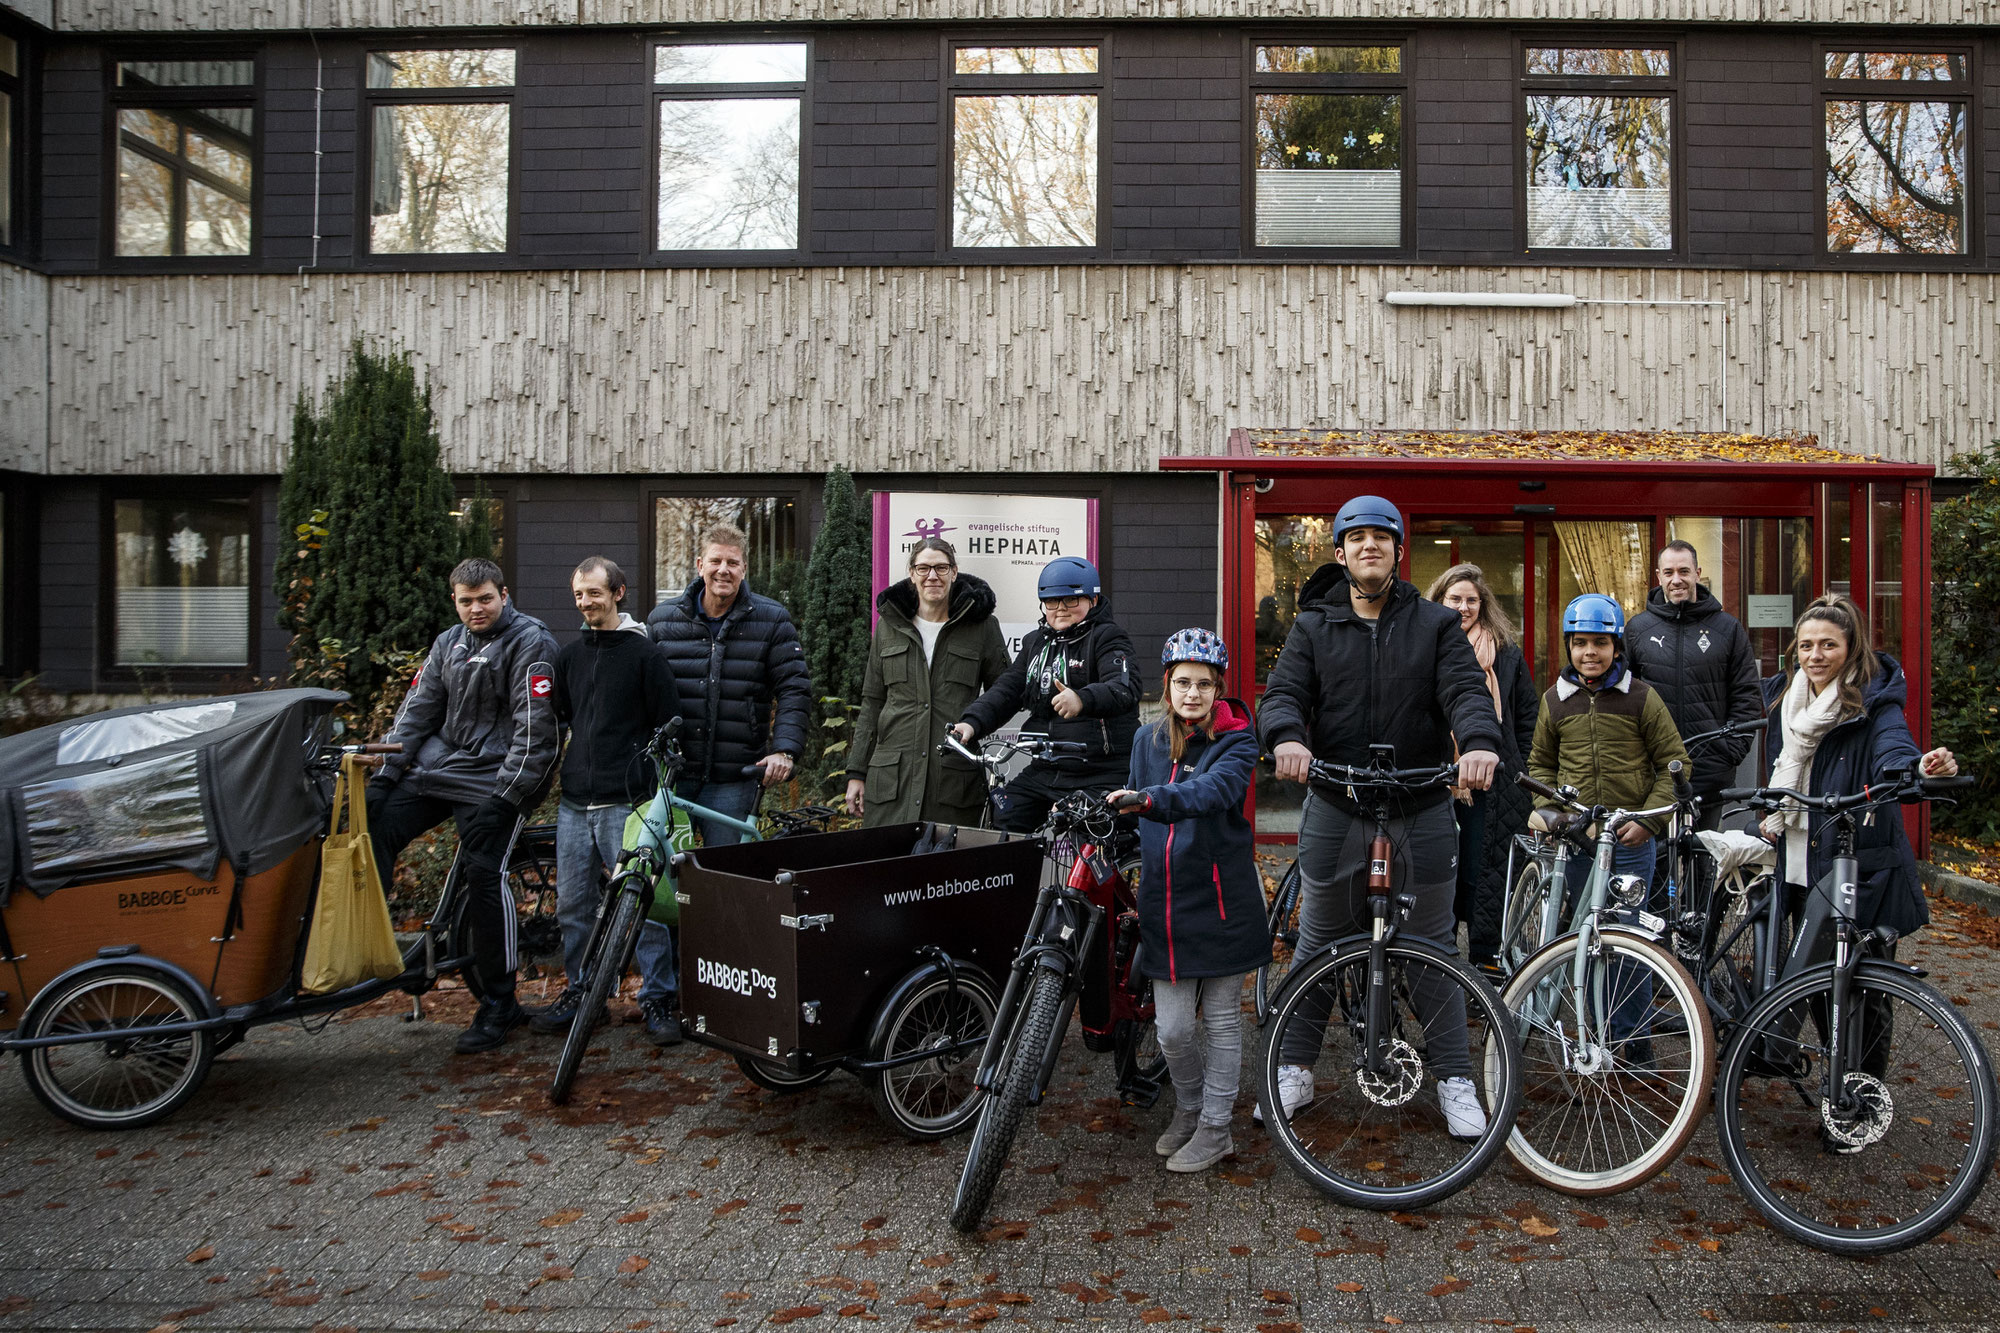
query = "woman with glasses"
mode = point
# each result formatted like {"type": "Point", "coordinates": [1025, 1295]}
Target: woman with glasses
{"type": "Point", "coordinates": [936, 647]}
{"type": "Point", "coordinates": [1074, 676]}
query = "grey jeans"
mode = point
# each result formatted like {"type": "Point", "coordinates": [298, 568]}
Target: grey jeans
{"type": "Point", "coordinates": [1207, 1064]}
{"type": "Point", "coordinates": [1333, 874]}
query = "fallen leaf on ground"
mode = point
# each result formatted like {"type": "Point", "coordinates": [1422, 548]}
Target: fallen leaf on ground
{"type": "Point", "coordinates": [561, 1218]}
{"type": "Point", "coordinates": [202, 1255]}
{"type": "Point", "coordinates": [638, 1263]}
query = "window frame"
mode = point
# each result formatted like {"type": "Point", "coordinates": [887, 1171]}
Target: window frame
{"type": "Point", "coordinates": [657, 93]}
{"type": "Point", "coordinates": [1669, 86]}
{"type": "Point", "coordinates": [646, 580]}
{"type": "Point", "coordinates": [467, 484]}
{"type": "Point", "coordinates": [366, 257]}
{"type": "Point", "coordinates": [20, 88]}
{"type": "Point", "coordinates": [109, 670]}
{"type": "Point", "coordinates": [1965, 92]}
{"type": "Point", "coordinates": [952, 85]}
{"type": "Point", "coordinates": [117, 99]}
{"type": "Point", "coordinates": [1399, 84]}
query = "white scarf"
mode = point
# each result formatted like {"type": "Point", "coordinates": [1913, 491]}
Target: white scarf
{"type": "Point", "coordinates": [1805, 719]}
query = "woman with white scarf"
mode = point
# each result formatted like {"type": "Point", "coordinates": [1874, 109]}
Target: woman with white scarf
{"type": "Point", "coordinates": [1839, 726]}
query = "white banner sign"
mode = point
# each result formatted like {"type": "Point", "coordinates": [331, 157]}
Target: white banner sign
{"type": "Point", "coordinates": [1004, 539]}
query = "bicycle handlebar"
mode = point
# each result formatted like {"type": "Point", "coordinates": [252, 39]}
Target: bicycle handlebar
{"type": "Point", "coordinates": [1397, 779]}
{"type": "Point", "coordinates": [1720, 733]}
{"type": "Point", "coordinates": [1034, 744]}
{"type": "Point", "coordinates": [1881, 793]}
{"type": "Point", "coordinates": [1130, 801]}
{"type": "Point", "coordinates": [1683, 789]}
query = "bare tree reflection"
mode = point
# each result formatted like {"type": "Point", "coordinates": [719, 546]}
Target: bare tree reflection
{"type": "Point", "coordinates": [729, 174]}
{"type": "Point", "coordinates": [1024, 170]}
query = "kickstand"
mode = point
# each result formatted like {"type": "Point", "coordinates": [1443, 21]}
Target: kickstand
{"type": "Point", "coordinates": [416, 1014]}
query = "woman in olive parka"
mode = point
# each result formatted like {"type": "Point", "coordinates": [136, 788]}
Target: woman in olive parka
{"type": "Point", "coordinates": [936, 649]}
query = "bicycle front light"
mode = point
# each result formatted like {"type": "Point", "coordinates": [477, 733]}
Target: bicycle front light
{"type": "Point", "coordinates": [1628, 891]}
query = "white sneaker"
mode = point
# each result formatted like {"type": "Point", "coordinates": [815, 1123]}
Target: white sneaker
{"type": "Point", "coordinates": [1464, 1117]}
{"type": "Point", "coordinates": [1295, 1092]}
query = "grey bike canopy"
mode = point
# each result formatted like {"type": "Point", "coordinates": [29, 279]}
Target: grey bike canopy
{"type": "Point", "coordinates": [179, 784]}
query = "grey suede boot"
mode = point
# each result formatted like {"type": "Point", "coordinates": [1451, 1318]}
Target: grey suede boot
{"type": "Point", "coordinates": [1179, 1130]}
{"type": "Point", "coordinates": [1210, 1144]}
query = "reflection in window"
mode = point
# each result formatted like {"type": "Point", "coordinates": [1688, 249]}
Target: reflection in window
{"type": "Point", "coordinates": [1600, 62]}
{"type": "Point", "coordinates": [1897, 66]}
{"type": "Point", "coordinates": [1885, 568]}
{"type": "Point", "coordinates": [1024, 60]}
{"type": "Point", "coordinates": [739, 62]}
{"type": "Point", "coordinates": [1599, 172]}
{"type": "Point", "coordinates": [776, 560]}
{"type": "Point", "coordinates": [1024, 170]}
{"type": "Point", "coordinates": [438, 175]}
{"type": "Point", "coordinates": [137, 812]}
{"type": "Point", "coordinates": [1329, 169]}
{"type": "Point", "coordinates": [10, 70]}
{"type": "Point", "coordinates": [1329, 60]}
{"type": "Point", "coordinates": [182, 570]}
{"type": "Point", "coordinates": [441, 69]}
{"type": "Point", "coordinates": [729, 174]}
{"type": "Point", "coordinates": [186, 73]}
{"type": "Point", "coordinates": [184, 181]}
{"type": "Point", "coordinates": [1895, 177]}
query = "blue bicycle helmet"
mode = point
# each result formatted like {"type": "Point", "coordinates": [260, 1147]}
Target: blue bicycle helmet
{"type": "Point", "coordinates": [1069, 576]}
{"type": "Point", "coordinates": [1368, 511]}
{"type": "Point", "coordinates": [1195, 645]}
{"type": "Point", "coordinates": [1594, 613]}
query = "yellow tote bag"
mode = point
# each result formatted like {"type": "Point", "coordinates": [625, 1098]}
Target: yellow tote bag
{"type": "Point", "coordinates": [352, 940]}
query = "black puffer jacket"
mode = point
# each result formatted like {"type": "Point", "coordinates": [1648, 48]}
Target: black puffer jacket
{"type": "Point", "coordinates": [1343, 682]}
{"type": "Point", "coordinates": [1698, 657]}
{"type": "Point", "coordinates": [1508, 804]}
{"type": "Point", "coordinates": [1092, 657]}
{"type": "Point", "coordinates": [729, 680]}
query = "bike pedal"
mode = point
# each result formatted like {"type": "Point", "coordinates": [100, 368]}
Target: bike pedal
{"type": "Point", "coordinates": [1142, 1093]}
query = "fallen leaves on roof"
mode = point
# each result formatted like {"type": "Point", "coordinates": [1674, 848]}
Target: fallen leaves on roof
{"type": "Point", "coordinates": [1552, 446]}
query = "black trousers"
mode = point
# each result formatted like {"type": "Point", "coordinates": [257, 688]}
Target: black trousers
{"type": "Point", "coordinates": [1022, 805]}
{"type": "Point", "coordinates": [485, 841]}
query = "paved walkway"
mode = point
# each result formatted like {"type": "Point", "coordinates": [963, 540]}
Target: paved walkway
{"type": "Point", "coordinates": [363, 1178]}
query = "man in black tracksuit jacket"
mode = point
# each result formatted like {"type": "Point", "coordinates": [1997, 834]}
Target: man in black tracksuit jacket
{"type": "Point", "coordinates": [480, 739]}
{"type": "Point", "coordinates": [1699, 658]}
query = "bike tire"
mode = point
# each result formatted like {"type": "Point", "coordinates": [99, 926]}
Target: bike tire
{"type": "Point", "coordinates": [1730, 952]}
{"type": "Point", "coordinates": [1605, 1120]}
{"type": "Point", "coordinates": [1521, 932]}
{"type": "Point", "coordinates": [605, 967]}
{"type": "Point", "coordinates": [1347, 1141]}
{"type": "Point", "coordinates": [122, 1082]}
{"type": "Point", "coordinates": [933, 1098]}
{"type": "Point", "coordinates": [1935, 1122]}
{"type": "Point", "coordinates": [1283, 921]}
{"type": "Point", "coordinates": [1000, 1118]}
{"type": "Point", "coordinates": [774, 1077]}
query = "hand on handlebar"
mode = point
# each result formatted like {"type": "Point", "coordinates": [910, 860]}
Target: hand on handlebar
{"type": "Point", "coordinates": [777, 768]}
{"type": "Point", "coordinates": [1476, 769]}
{"type": "Point", "coordinates": [962, 730]}
{"type": "Point", "coordinates": [1294, 761]}
{"type": "Point", "coordinates": [1633, 833]}
{"type": "Point", "coordinates": [1123, 800]}
{"type": "Point", "coordinates": [1939, 763]}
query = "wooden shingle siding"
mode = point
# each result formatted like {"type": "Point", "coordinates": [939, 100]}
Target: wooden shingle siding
{"type": "Point", "coordinates": [24, 370]}
{"type": "Point", "coordinates": [267, 15]}
{"type": "Point", "coordinates": [995, 369]}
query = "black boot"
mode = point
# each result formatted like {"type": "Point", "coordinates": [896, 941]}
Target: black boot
{"type": "Point", "coordinates": [497, 1016]}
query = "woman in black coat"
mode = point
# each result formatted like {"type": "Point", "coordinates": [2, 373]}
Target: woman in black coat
{"type": "Point", "coordinates": [1488, 820]}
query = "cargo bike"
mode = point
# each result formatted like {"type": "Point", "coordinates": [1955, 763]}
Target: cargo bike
{"type": "Point", "coordinates": [158, 868]}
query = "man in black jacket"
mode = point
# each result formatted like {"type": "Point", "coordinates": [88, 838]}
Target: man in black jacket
{"type": "Point", "coordinates": [1699, 658]}
{"type": "Point", "coordinates": [614, 689]}
{"type": "Point", "coordinates": [734, 656]}
{"type": "Point", "coordinates": [1369, 662]}
{"type": "Point", "coordinates": [479, 736]}
{"type": "Point", "coordinates": [1074, 676]}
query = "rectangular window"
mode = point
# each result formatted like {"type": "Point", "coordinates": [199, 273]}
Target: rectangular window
{"type": "Point", "coordinates": [185, 158]}
{"type": "Point", "coordinates": [730, 144]}
{"type": "Point", "coordinates": [1328, 159]}
{"type": "Point", "coordinates": [10, 98]}
{"type": "Point", "coordinates": [1024, 146]}
{"type": "Point", "coordinates": [776, 558]}
{"type": "Point", "coordinates": [1599, 162]}
{"type": "Point", "coordinates": [442, 128]}
{"type": "Point", "coordinates": [182, 582]}
{"type": "Point", "coordinates": [1896, 178]}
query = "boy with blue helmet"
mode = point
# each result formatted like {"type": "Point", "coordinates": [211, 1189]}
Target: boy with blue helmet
{"type": "Point", "coordinates": [1074, 676]}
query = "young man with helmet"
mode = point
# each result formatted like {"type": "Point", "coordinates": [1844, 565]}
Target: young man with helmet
{"type": "Point", "coordinates": [1074, 676]}
{"type": "Point", "coordinates": [1369, 662]}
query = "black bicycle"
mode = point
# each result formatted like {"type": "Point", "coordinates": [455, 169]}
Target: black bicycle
{"type": "Point", "coordinates": [1404, 1066]}
{"type": "Point", "coordinates": [1854, 1105]}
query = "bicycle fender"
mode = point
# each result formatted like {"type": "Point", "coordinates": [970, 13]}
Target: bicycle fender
{"type": "Point", "coordinates": [920, 975]}
{"type": "Point", "coordinates": [160, 965]}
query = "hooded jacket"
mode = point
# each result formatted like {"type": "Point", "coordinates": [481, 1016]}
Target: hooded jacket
{"type": "Point", "coordinates": [1093, 657]}
{"type": "Point", "coordinates": [479, 723]}
{"type": "Point", "coordinates": [613, 690]}
{"type": "Point", "coordinates": [1699, 658]}
{"type": "Point", "coordinates": [730, 679]}
{"type": "Point", "coordinates": [1409, 679]}
{"type": "Point", "coordinates": [906, 704]}
{"type": "Point", "coordinates": [1859, 749]}
{"type": "Point", "coordinates": [1613, 744]}
{"type": "Point", "coordinates": [1201, 908]}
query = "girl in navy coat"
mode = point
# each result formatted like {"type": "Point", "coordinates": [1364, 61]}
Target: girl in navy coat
{"type": "Point", "coordinates": [1201, 910]}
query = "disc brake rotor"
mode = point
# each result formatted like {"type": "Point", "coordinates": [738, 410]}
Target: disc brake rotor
{"type": "Point", "coordinates": [1867, 1121]}
{"type": "Point", "coordinates": [1401, 1076]}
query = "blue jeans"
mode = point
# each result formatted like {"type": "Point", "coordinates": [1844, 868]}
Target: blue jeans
{"type": "Point", "coordinates": [585, 840]}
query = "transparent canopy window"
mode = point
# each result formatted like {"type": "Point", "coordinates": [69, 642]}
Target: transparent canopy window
{"type": "Point", "coordinates": [728, 166]}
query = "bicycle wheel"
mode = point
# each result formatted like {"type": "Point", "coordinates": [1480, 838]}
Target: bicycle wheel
{"type": "Point", "coordinates": [776, 1078]}
{"type": "Point", "coordinates": [1729, 956]}
{"type": "Point", "coordinates": [1283, 919]}
{"type": "Point", "coordinates": [933, 1098]}
{"type": "Point", "coordinates": [123, 1081]}
{"type": "Point", "coordinates": [1604, 1115]}
{"type": "Point", "coordinates": [531, 878]}
{"type": "Point", "coordinates": [1521, 932]}
{"type": "Point", "coordinates": [604, 967]}
{"type": "Point", "coordinates": [1379, 1138]}
{"type": "Point", "coordinates": [1907, 1155]}
{"type": "Point", "coordinates": [1000, 1117]}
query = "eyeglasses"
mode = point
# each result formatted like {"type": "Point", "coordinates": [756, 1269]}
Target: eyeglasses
{"type": "Point", "coordinates": [1192, 686]}
{"type": "Point", "coordinates": [931, 573]}
{"type": "Point", "coordinates": [1066, 603]}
